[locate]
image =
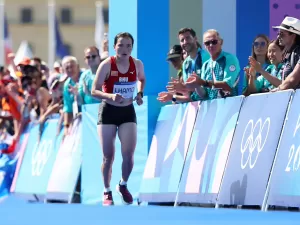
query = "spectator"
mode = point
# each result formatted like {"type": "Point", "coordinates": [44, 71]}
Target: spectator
{"type": "Point", "coordinates": [44, 100]}
{"type": "Point", "coordinates": [272, 76]}
{"type": "Point", "coordinates": [105, 53]}
{"type": "Point", "coordinates": [71, 98]}
{"type": "Point", "coordinates": [92, 59]}
{"type": "Point", "coordinates": [219, 75]}
{"type": "Point", "coordinates": [259, 53]}
{"type": "Point", "coordinates": [191, 65]}
{"type": "Point", "coordinates": [289, 37]}
{"type": "Point", "coordinates": [175, 57]}
{"type": "Point", "coordinates": [196, 55]}
{"type": "Point", "coordinates": [42, 68]}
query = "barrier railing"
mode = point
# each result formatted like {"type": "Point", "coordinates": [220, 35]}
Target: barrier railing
{"type": "Point", "coordinates": [230, 154]}
{"type": "Point", "coordinates": [49, 169]}
{"type": "Point", "coordinates": [233, 151]}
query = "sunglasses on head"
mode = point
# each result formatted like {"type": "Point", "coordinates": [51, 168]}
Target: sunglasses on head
{"type": "Point", "coordinates": [259, 44]}
{"type": "Point", "coordinates": [91, 57]}
{"type": "Point", "coordinates": [212, 42]}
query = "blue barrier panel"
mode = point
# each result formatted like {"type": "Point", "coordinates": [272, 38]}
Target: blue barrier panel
{"type": "Point", "coordinates": [38, 161]}
{"type": "Point", "coordinates": [285, 178]}
{"type": "Point", "coordinates": [208, 150]}
{"type": "Point", "coordinates": [253, 148]}
{"type": "Point", "coordinates": [167, 153]}
{"type": "Point", "coordinates": [64, 176]}
{"type": "Point", "coordinates": [92, 183]}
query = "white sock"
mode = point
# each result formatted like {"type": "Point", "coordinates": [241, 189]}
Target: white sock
{"type": "Point", "coordinates": [122, 182]}
{"type": "Point", "coordinates": [107, 189]}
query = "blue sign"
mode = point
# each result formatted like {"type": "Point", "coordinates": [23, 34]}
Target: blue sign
{"type": "Point", "coordinates": [167, 153]}
{"type": "Point", "coordinates": [92, 182]}
{"type": "Point", "coordinates": [38, 161]}
{"type": "Point", "coordinates": [253, 149]}
{"type": "Point", "coordinates": [208, 150]}
{"type": "Point", "coordinates": [285, 178]}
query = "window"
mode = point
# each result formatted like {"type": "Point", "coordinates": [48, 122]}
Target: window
{"type": "Point", "coordinates": [26, 15]}
{"type": "Point", "coordinates": [105, 15]}
{"type": "Point", "coordinates": [69, 49]}
{"type": "Point", "coordinates": [66, 15]}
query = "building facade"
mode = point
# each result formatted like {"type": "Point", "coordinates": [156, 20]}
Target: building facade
{"type": "Point", "coordinates": [28, 20]}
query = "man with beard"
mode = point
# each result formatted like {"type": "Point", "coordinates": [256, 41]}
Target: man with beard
{"type": "Point", "coordinates": [219, 75]}
{"type": "Point", "coordinates": [289, 37]}
{"type": "Point", "coordinates": [92, 59]}
{"type": "Point", "coordinates": [191, 66]}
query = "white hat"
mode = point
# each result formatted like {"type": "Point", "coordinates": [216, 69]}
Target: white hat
{"type": "Point", "coordinates": [290, 24]}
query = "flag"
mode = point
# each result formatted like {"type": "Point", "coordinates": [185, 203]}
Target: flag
{"type": "Point", "coordinates": [61, 50]}
{"type": "Point", "coordinates": [56, 46]}
{"type": "Point", "coordinates": [100, 26]}
{"type": "Point", "coordinates": [7, 40]}
{"type": "Point", "coordinates": [24, 51]}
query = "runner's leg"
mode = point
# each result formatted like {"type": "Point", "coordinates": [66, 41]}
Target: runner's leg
{"type": "Point", "coordinates": [128, 136]}
{"type": "Point", "coordinates": [107, 134]}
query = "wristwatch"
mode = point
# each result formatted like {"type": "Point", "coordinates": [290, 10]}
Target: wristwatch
{"type": "Point", "coordinates": [141, 94]}
{"type": "Point", "coordinates": [174, 98]}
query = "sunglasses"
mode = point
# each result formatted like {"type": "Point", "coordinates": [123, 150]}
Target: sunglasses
{"type": "Point", "coordinates": [212, 42]}
{"type": "Point", "coordinates": [257, 44]}
{"type": "Point", "coordinates": [91, 57]}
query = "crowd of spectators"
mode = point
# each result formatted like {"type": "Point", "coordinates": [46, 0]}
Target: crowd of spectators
{"type": "Point", "coordinates": [30, 92]}
{"type": "Point", "coordinates": [210, 73]}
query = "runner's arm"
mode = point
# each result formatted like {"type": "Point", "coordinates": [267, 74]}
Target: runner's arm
{"type": "Point", "coordinates": [141, 76]}
{"type": "Point", "coordinates": [101, 75]}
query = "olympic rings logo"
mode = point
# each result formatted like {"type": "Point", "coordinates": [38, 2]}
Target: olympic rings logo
{"type": "Point", "coordinates": [257, 136]}
{"type": "Point", "coordinates": [40, 156]}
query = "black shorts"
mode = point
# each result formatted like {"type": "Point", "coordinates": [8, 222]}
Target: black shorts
{"type": "Point", "coordinates": [116, 115]}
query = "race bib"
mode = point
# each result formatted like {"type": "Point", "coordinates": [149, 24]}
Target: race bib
{"type": "Point", "coordinates": [126, 89]}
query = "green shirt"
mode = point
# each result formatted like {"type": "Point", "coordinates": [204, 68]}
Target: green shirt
{"type": "Point", "coordinates": [68, 97]}
{"type": "Point", "coordinates": [245, 80]}
{"type": "Point", "coordinates": [87, 77]}
{"type": "Point", "coordinates": [226, 68]}
{"type": "Point", "coordinates": [262, 83]}
{"type": "Point", "coordinates": [194, 65]}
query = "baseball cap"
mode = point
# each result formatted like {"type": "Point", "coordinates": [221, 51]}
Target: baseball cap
{"type": "Point", "coordinates": [175, 52]}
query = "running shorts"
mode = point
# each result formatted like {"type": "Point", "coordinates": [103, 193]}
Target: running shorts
{"type": "Point", "coordinates": [116, 115]}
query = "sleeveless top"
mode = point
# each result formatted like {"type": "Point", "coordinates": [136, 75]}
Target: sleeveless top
{"type": "Point", "coordinates": [117, 82]}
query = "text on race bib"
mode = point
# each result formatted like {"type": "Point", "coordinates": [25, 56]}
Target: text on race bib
{"type": "Point", "coordinates": [126, 89]}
